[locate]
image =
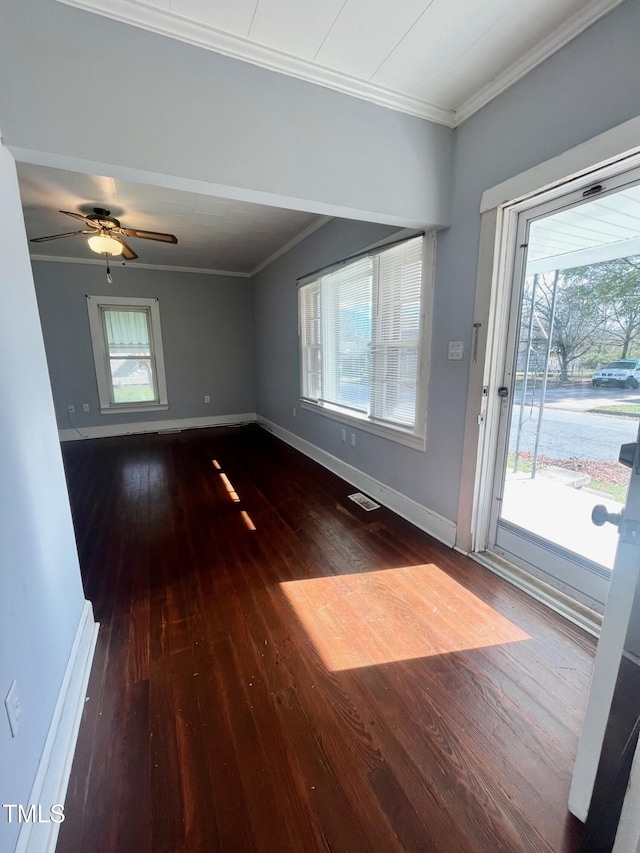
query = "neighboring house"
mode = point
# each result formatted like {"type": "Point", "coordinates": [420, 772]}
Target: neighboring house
{"type": "Point", "coordinates": [71, 93]}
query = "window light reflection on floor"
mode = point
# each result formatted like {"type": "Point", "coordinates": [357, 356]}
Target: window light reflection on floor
{"type": "Point", "coordinates": [235, 497]}
{"type": "Point", "coordinates": [232, 492]}
{"type": "Point", "coordinates": [378, 617]}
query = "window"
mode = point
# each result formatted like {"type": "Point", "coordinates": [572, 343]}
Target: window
{"type": "Point", "coordinates": [127, 349]}
{"type": "Point", "coordinates": [361, 328]}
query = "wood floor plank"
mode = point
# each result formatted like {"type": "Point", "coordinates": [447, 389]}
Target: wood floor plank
{"type": "Point", "coordinates": [278, 670]}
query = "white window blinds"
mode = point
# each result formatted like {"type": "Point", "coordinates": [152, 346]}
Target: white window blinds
{"type": "Point", "coordinates": [360, 335]}
{"type": "Point", "coordinates": [130, 356]}
{"type": "Point", "coordinates": [127, 348]}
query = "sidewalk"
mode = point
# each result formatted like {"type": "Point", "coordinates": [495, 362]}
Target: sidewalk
{"type": "Point", "coordinates": [561, 513]}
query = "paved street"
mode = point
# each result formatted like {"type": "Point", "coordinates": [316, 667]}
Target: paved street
{"type": "Point", "coordinates": [582, 396]}
{"type": "Point", "coordinates": [574, 434]}
{"type": "Point", "coordinates": [569, 430]}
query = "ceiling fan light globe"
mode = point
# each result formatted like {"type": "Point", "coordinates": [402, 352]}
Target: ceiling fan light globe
{"type": "Point", "coordinates": [102, 244]}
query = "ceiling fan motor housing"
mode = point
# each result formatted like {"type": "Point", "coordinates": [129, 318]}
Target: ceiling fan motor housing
{"type": "Point", "coordinates": [103, 218]}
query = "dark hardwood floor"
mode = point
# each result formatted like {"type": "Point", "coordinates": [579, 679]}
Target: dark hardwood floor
{"type": "Point", "coordinates": [332, 680]}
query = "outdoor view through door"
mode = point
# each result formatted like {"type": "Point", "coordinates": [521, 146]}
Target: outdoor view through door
{"type": "Point", "coordinates": [575, 377]}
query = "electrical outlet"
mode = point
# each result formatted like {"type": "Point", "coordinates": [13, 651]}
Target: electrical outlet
{"type": "Point", "coordinates": [344, 434]}
{"type": "Point", "coordinates": [455, 350]}
{"type": "Point", "coordinates": [85, 407]}
{"type": "Point", "coordinates": [353, 439]}
{"type": "Point", "coordinates": [14, 709]}
{"type": "Point", "coordinates": [71, 409]}
{"type": "Point", "coordinates": [207, 398]}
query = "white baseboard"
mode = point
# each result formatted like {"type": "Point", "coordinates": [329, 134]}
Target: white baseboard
{"type": "Point", "coordinates": [435, 525]}
{"type": "Point", "coordinates": [54, 768]}
{"type": "Point", "coordinates": [80, 433]}
{"type": "Point", "coordinates": [631, 656]}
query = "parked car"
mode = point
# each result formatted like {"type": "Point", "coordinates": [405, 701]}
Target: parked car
{"type": "Point", "coordinates": [624, 373]}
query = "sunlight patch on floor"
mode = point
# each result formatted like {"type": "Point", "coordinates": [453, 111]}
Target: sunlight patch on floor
{"type": "Point", "coordinates": [235, 497]}
{"type": "Point", "coordinates": [230, 490]}
{"type": "Point", "coordinates": [372, 618]}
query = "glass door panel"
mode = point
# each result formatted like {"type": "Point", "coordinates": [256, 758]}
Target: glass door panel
{"type": "Point", "coordinates": [574, 391]}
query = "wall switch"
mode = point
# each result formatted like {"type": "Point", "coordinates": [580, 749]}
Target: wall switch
{"type": "Point", "coordinates": [85, 407]}
{"type": "Point", "coordinates": [353, 439]}
{"type": "Point", "coordinates": [207, 398]}
{"type": "Point", "coordinates": [344, 435]}
{"type": "Point", "coordinates": [455, 350]}
{"type": "Point", "coordinates": [14, 709]}
{"type": "Point", "coordinates": [71, 409]}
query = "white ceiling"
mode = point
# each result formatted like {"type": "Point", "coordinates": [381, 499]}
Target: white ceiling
{"type": "Point", "coordinates": [601, 229]}
{"type": "Point", "coordinates": [439, 59]}
{"type": "Point", "coordinates": [214, 234]}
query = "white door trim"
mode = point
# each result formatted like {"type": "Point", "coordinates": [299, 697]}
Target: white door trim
{"type": "Point", "coordinates": [603, 150]}
{"type": "Point", "coordinates": [602, 157]}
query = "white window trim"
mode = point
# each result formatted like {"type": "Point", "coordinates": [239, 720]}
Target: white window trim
{"type": "Point", "coordinates": [99, 353]}
{"type": "Point", "coordinates": [416, 437]}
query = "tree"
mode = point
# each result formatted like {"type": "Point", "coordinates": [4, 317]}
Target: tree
{"type": "Point", "coordinates": [577, 319]}
{"type": "Point", "coordinates": [617, 285]}
{"type": "Point", "coordinates": [597, 309]}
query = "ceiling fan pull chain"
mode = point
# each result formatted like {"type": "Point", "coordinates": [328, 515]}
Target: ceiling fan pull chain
{"type": "Point", "coordinates": [109, 279]}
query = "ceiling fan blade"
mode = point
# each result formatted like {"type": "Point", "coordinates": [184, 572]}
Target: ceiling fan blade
{"type": "Point", "coordinates": [57, 236]}
{"type": "Point", "coordinates": [82, 218]}
{"type": "Point", "coordinates": [127, 251]}
{"type": "Point", "coordinates": [149, 235]}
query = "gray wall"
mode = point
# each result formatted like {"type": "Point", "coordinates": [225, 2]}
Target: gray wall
{"type": "Point", "coordinates": [400, 467]}
{"type": "Point", "coordinates": [207, 336]}
{"type": "Point", "coordinates": [41, 595]}
{"type": "Point", "coordinates": [576, 94]}
{"type": "Point", "coordinates": [258, 130]}
{"type": "Point", "coordinates": [588, 87]}
{"type": "Point", "coordinates": [189, 113]}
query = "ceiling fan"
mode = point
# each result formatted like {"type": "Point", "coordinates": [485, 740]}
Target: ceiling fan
{"type": "Point", "coordinates": [106, 231]}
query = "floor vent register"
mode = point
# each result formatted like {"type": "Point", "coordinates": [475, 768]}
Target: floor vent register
{"type": "Point", "coordinates": [364, 501]}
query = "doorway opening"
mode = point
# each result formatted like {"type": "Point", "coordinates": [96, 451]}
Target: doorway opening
{"type": "Point", "coordinates": [568, 372]}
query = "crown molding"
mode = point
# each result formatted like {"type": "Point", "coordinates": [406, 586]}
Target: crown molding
{"type": "Point", "coordinates": [137, 13]}
{"type": "Point", "coordinates": [116, 264]}
{"type": "Point", "coordinates": [591, 12]}
{"type": "Point", "coordinates": [315, 226]}
{"type": "Point", "coordinates": [165, 23]}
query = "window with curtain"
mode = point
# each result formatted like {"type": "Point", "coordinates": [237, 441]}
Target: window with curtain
{"type": "Point", "coordinates": [361, 330]}
{"type": "Point", "coordinates": [127, 346]}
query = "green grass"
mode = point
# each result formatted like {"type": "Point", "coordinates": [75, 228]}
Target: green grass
{"type": "Point", "coordinates": [613, 490]}
{"type": "Point", "coordinates": [133, 394]}
{"type": "Point", "coordinates": [524, 465]}
{"type": "Point", "coordinates": [627, 408]}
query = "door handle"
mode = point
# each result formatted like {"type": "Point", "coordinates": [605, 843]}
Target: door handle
{"type": "Point", "coordinates": [600, 515]}
{"type": "Point", "coordinates": [628, 453]}
{"type": "Point", "coordinates": [503, 391]}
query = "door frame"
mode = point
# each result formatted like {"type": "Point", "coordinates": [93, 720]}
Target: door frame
{"type": "Point", "coordinates": [604, 157]}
